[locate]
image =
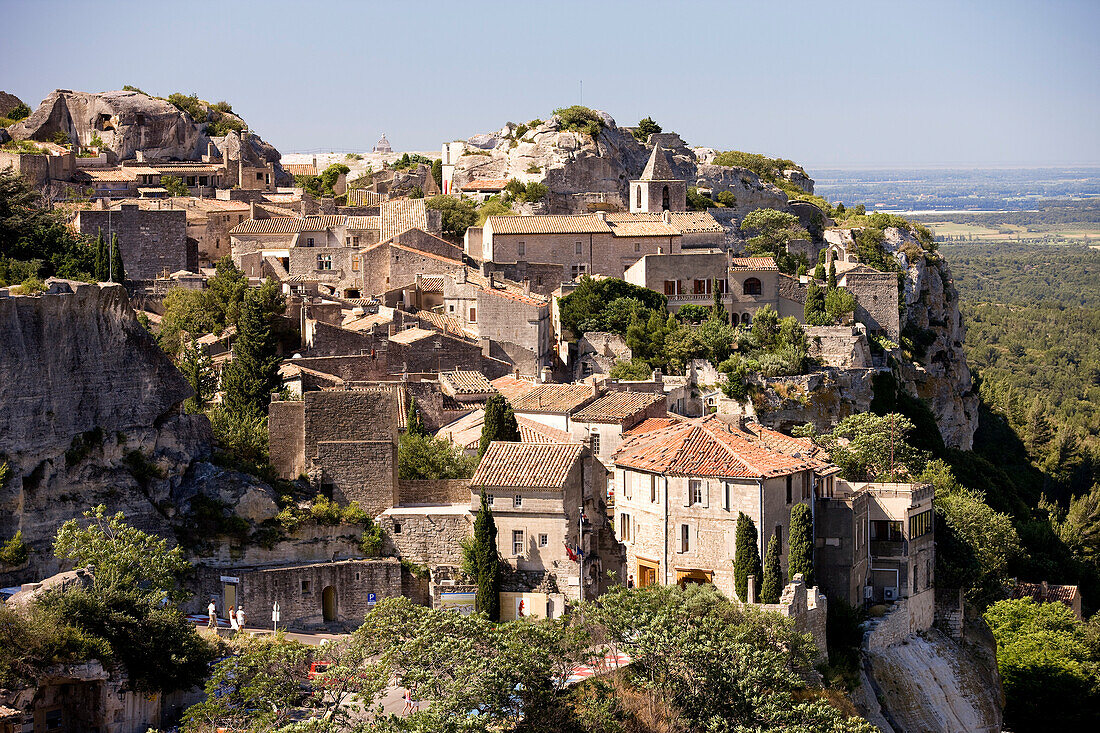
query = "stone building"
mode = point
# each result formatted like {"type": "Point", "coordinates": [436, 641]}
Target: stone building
{"type": "Point", "coordinates": [597, 353]}
{"type": "Point", "coordinates": [875, 544]}
{"type": "Point", "coordinates": [601, 424]}
{"type": "Point", "coordinates": [153, 242]}
{"type": "Point", "coordinates": [552, 404]}
{"type": "Point", "coordinates": [876, 296]}
{"type": "Point", "coordinates": [538, 494]}
{"type": "Point", "coordinates": [400, 260]}
{"type": "Point", "coordinates": [681, 485]}
{"type": "Point", "coordinates": [658, 188]}
{"type": "Point", "coordinates": [513, 320]}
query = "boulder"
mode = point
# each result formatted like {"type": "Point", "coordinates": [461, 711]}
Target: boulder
{"type": "Point", "coordinates": [61, 582]}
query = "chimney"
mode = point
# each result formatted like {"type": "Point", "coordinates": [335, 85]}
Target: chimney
{"type": "Point", "coordinates": [601, 215]}
{"type": "Point", "coordinates": [139, 156]}
{"type": "Point", "coordinates": [252, 209]}
{"type": "Point", "coordinates": [666, 217]}
{"type": "Point", "coordinates": [527, 284]}
{"type": "Point", "coordinates": [547, 372]}
{"type": "Point", "coordinates": [515, 372]}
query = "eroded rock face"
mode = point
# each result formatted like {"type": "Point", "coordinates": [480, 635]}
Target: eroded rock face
{"type": "Point", "coordinates": [940, 375]}
{"type": "Point", "coordinates": [8, 102]}
{"type": "Point", "coordinates": [89, 414]}
{"type": "Point", "coordinates": [126, 122]}
{"type": "Point", "coordinates": [581, 170]}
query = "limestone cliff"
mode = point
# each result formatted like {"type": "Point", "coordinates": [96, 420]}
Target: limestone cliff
{"type": "Point", "coordinates": [129, 121]}
{"type": "Point", "coordinates": [584, 171]}
{"type": "Point", "coordinates": [89, 413]}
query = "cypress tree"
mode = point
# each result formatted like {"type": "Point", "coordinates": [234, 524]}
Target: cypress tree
{"type": "Point", "coordinates": [819, 272]}
{"type": "Point", "coordinates": [832, 275]}
{"type": "Point", "coordinates": [253, 374]}
{"type": "Point", "coordinates": [773, 574]}
{"type": "Point", "coordinates": [100, 258]}
{"type": "Point", "coordinates": [500, 423]}
{"type": "Point", "coordinates": [814, 311]}
{"type": "Point", "coordinates": [488, 561]}
{"type": "Point", "coordinates": [746, 558]}
{"type": "Point", "coordinates": [414, 425]}
{"type": "Point", "coordinates": [800, 554]}
{"type": "Point", "coordinates": [198, 369]}
{"type": "Point", "coordinates": [117, 273]}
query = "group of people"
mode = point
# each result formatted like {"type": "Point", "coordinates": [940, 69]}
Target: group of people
{"type": "Point", "coordinates": [236, 616]}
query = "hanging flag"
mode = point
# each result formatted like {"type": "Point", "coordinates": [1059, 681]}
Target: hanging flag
{"type": "Point", "coordinates": [569, 551]}
{"type": "Point", "coordinates": [579, 552]}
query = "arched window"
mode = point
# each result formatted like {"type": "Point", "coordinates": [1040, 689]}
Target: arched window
{"type": "Point", "coordinates": [751, 286]}
{"type": "Point", "coordinates": [664, 199]}
{"type": "Point", "coordinates": [639, 197]}
{"type": "Point", "coordinates": [746, 319]}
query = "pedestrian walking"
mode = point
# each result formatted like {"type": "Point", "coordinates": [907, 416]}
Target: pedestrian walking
{"type": "Point", "coordinates": [408, 702]}
{"type": "Point", "coordinates": [212, 614]}
{"type": "Point", "coordinates": [414, 698]}
{"type": "Point", "coordinates": [233, 620]}
{"type": "Point", "coordinates": [240, 617]}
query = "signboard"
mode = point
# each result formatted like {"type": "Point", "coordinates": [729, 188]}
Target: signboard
{"type": "Point", "coordinates": [460, 601]}
{"type": "Point", "coordinates": [230, 579]}
{"type": "Point", "coordinates": [372, 599]}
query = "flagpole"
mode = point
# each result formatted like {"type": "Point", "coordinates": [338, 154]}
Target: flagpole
{"type": "Point", "coordinates": [580, 553]}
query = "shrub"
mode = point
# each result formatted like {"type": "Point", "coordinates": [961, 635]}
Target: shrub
{"type": "Point", "coordinates": [132, 88]}
{"type": "Point", "coordinates": [14, 551]}
{"type": "Point", "coordinates": [646, 127]}
{"type": "Point", "coordinates": [30, 286]}
{"type": "Point", "coordinates": [19, 112]}
{"type": "Point", "coordinates": [725, 198]}
{"type": "Point", "coordinates": [534, 169]}
{"type": "Point", "coordinates": [633, 370]}
{"type": "Point", "coordinates": [242, 436]}
{"type": "Point", "coordinates": [82, 445]}
{"type": "Point", "coordinates": [174, 185]}
{"type": "Point", "coordinates": [578, 118]}
{"type": "Point", "coordinates": [370, 542]}
{"type": "Point", "coordinates": [697, 201]}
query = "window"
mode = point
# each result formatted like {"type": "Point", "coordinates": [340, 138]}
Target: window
{"type": "Point", "coordinates": [517, 542]}
{"type": "Point", "coordinates": [357, 575]}
{"type": "Point", "coordinates": [700, 287]}
{"type": "Point", "coordinates": [324, 262]}
{"type": "Point", "coordinates": [751, 286]}
{"type": "Point", "coordinates": [726, 496]}
{"type": "Point", "coordinates": [639, 197]}
{"type": "Point", "coordinates": [538, 280]}
{"type": "Point", "coordinates": [624, 528]}
{"type": "Point", "coordinates": [517, 501]}
{"type": "Point", "coordinates": [309, 242]}
{"type": "Point", "coordinates": [578, 270]}
{"type": "Point", "coordinates": [521, 249]}
{"type": "Point", "coordinates": [746, 319]}
{"type": "Point", "coordinates": [473, 314]}
{"type": "Point", "coordinates": [920, 524]}
{"type": "Point", "coordinates": [544, 540]}
{"type": "Point", "coordinates": [637, 246]}
{"type": "Point", "coordinates": [685, 538]}
{"type": "Point", "coordinates": [259, 176]}
{"type": "Point", "coordinates": [665, 199]}
{"type": "Point", "coordinates": [790, 481]}
{"type": "Point", "coordinates": [451, 308]}
{"type": "Point", "coordinates": [695, 492]}
{"type": "Point", "coordinates": [355, 264]}
{"type": "Point", "coordinates": [489, 499]}
{"type": "Point", "coordinates": [628, 479]}
{"type": "Point", "coordinates": [347, 241]}
{"type": "Point", "coordinates": [54, 719]}
{"type": "Point", "coordinates": [595, 442]}
{"type": "Point", "coordinates": [653, 489]}
{"type": "Point", "coordinates": [305, 587]}
{"type": "Point", "coordinates": [670, 287]}
{"type": "Point", "coordinates": [883, 530]}
{"type": "Point", "coordinates": [578, 249]}
{"type": "Point", "coordinates": [396, 528]}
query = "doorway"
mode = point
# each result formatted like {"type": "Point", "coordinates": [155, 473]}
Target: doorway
{"type": "Point", "coordinates": [700, 577]}
{"type": "Point", "coordinates": [328, 604]}
{"type": "Point", "coordinates": [647, 574]}
{"type": "Point", "coordinates": [229, 597]}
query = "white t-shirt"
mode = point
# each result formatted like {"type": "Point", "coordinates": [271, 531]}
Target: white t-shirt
{"type": "Point", "coordinates": [240, 617]}
{"type": "Point", "coordinates": [211, 608]}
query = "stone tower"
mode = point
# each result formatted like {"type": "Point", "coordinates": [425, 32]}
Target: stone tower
{"type": "Point", "coordinates": [658, 189]}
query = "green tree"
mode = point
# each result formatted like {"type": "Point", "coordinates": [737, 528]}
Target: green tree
{"type": "Point", "coordinates": [1037, 432]}
{"type": "Point", "coordinates": [174, 185]}
{"type": "Point", "coordinates": [14, 551]}
{"type": "Point", "coordinates": [633, 370]}
{"type": "Point", "coordinates": [414, 423]}
{"type": "Point", "coordinates": [870, 447]}
{"type": "Point", "coordinates": [121, 556]}
{"type": "Point", "coordinates": [437, 172]}
{"type": "Point", "coordinates": [1047, 667]}
{"type": "Point", "coordinates": [771, 231]}
{"type": "Point", "coordinates": [422, 456]}
{"type": "Point", "coordinates": [800, 548]}
{"type": "Point", "coordinates": [253, 374]}
{"type": "Point", "coordinates": [492, 207]}
{"type": "Point", "coordinates": [198, 369]}
{"type": "Point", "coordinates": [584, 306]}
{"type": "Point", "coordinates": [832, 276]}
{"type": "Point", "coordinates": [225, 292]}
{"type": "Point", "coordinates": [839, 303]}
{"type": "Point", "coordinates": [773, 583]}
{"type": "Point", "coordinates": [457, 214]}
{"type": "Point", "coordinates": [814, 310]}
{"type": "Point", "coordinates": [646, 127]}
{"type": "Point", "coordinates": [746, 557]}
{"type": "Point", "coordinates": [499, 424]}
{"type": "Point", "coordinates": [102, 259]}
{"type": "Point", "coordinates": [819, 272]}
{"type": "Point", "coordinates": [487, 560]}
{"type": "Point", "coordinates": [117, 271]}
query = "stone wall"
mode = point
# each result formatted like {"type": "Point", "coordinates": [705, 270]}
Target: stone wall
{"type": "Point", "coordinates": [153, 241]}
{"type": "Point", "coordinates": [808, 608]}
{"type": "Point", "coordinates": [301, 591]}
{"type": "Point", "coordinates": [876, 296]}
{"type": "Point", "coordinates": [950, 617]}
{"type": "Point", "coordinates": [843, 347]}
{"type": "Point", "coordinates": [441, 491]}
{"type": "Point", "coordinates": [363, 471]}
{"type": "Point", "coordinates": [429, 536]}
{"type": "Point", "coordinates": [286, 428]}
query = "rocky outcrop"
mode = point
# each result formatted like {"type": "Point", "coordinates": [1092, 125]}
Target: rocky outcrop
{"type": "Point", "coordinates": [822, 398]}
{"type": "Point", "coordinates": [89, 414]}
{"type": "Point", "coordinates": [584, 171]}
{"type": "Point", "coordinates": [939, 373]}
{"type": "Point", "coordinates": [930, 682]}
{"type": "Point", "coordinates": [129, 121]}
{"type": "Point", "coordinates": [8, 102]}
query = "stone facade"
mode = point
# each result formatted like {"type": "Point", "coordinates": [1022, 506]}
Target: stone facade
{"type": "Point", "coordinates": [876, 296]}
{"type": "Point", "coordinates": [843, 347]}
{"type": "Point", "coordinates": [153, 242]}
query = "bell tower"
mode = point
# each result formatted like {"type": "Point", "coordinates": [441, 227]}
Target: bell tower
{"type": "Point", "coordinates": [658, 189]}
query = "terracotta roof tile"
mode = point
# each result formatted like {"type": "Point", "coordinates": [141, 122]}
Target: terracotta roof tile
{"type": "Point", "coordinates": [289, 225]}
{"type": "Point", "coordinates": [1045, 592]}
{"type": "Point", "coordinates": [753, 263]}
{"type": "Point", "coordinates": [466, 382]}
{"type": "Point", "coordinates": [652, 423]}
{"type": "Point", "coordinates": [532, 431]}
{"type": "Point", "coordinates": [684, 222]}
{"type": "Point", "coordinates": [512, 388]}
{"type": "Point", "coordinates": [447, 324]}
{"type": "Point", "coordinates": [549, 224]}
{"type": "Point", "coordinates": [300, 169]}
{"type": "Point", "coordinates": [431, 284]}
{"type": "Point", "coordinates": [363, 197]}
{"type": "Point", "coordinates": [643, 229]}
{"type": "Point", "coordinates": [526, 465]}
{"type": "Point", "coordinates": [560, 398]}
{"type": "Point", "coordinates": [486, 184]}
{"type": "Point", "coordinates": [401, 215]}
{"type": "Point", "coordinates": [411, 335]}
{"type": "Point", "coordinates": [364, 222]}
{"type": "Point", "coordinates": [506, 289]}
{"type": "Point", "coordinates": [705, 447]}
{"type": "Point", "coordinates": [617, 407]}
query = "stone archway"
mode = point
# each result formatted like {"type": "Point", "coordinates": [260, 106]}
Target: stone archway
{"type": "Point", "coordinates": [328, 604]}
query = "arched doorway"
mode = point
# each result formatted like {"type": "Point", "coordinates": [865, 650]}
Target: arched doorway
{"type": "Point", "coordinates": [328, 604]}
{"type": "Point", "coordinates": [746, 319]}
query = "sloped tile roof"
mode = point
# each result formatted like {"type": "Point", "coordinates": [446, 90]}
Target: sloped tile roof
{"type": "Point", "coordinates": [705, 447]}
{"type": "Point", "coordinates": [447, 324]}
{"type": "Point", "coordinates": [653, 423]}
{"type": "Point", "coordinates": [486, 184]}
{"type": "Point", "coordinates": [684, 222]}
{"type": "Point", "coordinates": [289, 225]}
{"type": "Point", "coordinates": [411, 335]}
{"type": "Point", "coordinates": [300, 169]}
{"type": "Point", "coordinates": [467, 382]}
{"type": "Point", "coordinates": [1048, 594]}
{"type": "Point", "coordinates": [401, 215]}
{"type": "Point", "coordinates": [643, 229]}
{"type": "Point", "coordinates": [431, 284]}
{"type": "Point", "coordinates": [791, 289]}
{"type": "Point", "coordinates": [364, 222]}
{"type": "Point", "coordinates": [559, 398]}
{"type": "Point", "coordinates": [658, 168]}
{"type": "Point", "coordinates": [526, 465]}
{"type": "Point", "coordinates": [532, 431]}
{"type": "Point", "coordinates": [617, 407]}
{"type": "Point", "coordinates": [364, 197]}
{"type": "Point", "coordinates": [753, 263]}
{"type": "Point", "coordinates": [506, 289]}
{"type": "Point", "coordinates": [549, 224]}
{"type": "Point", "coordinates": [511, 387]}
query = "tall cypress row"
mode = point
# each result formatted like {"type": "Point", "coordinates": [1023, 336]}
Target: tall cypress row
{"type": "Point", "coordinates": [500, 423]}
{"type": "Point", "coordinates": [773, 574]}
{"type": "Point", "coordinates": [488, 560]}
{"type": "Point", "coordinates": [746, 559]}
{"type": "Point", "coordinates": [253, 374]}
{"type": "Point", "coordinates": [100, 258]}
{"type": "Point", "coordinates": [117, 273]}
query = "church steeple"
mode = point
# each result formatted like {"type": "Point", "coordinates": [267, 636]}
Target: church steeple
{"type": "Point", "coordinates": [658, 189]}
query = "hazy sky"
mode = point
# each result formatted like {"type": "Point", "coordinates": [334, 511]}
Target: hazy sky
{"type": "Point", "coordinates": [827, 84]}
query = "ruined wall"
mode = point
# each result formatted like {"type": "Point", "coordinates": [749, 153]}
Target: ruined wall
{"type": "Point", "coordinates": [286, 428]}
{"type": "Point", "coordinates": [153, 241]}
{"type": "Point", "coordinates": [440, 491]}
{"type": "Point", "coordinates": [876, 301]}
{"type": "Point", "coordinates": [364, 471]}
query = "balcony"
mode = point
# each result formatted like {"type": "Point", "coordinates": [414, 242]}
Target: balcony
{"type": "Point", "coordinates": [889, 548]}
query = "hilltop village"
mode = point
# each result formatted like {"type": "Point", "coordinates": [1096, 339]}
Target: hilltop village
{"type": "Point", "coordinates": [650, 364]}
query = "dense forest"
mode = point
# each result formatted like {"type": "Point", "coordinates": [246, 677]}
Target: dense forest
{"type": "Point", "coordinates": [1022, 274]}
